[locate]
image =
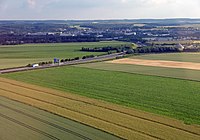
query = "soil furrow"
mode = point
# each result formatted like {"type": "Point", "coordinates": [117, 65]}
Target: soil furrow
{"type": "Point", "coordinates": [85, 114]}
{"type": "Point", "coordinates": [46, 122]}
{"type": "Point", "coordinates": [107, 108]}
{"type": "Point", "coordinates": [28, 127]}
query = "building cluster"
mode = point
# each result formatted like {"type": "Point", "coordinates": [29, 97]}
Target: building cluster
{"type": "Point", "coordinates": [140, 34]}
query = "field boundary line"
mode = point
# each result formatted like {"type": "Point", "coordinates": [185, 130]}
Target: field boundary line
{"type": "Point", "coordinates": [53, 113]}
{"type": "Point", "coordinates": [143, 74]}
{"type": "Point", "coordinates": [29, 127]}
{"type": "Point", "coordinates": [46, 122]}
{"type": "Point", "coordinates": [87, 115]}
{"type": "Point", "coordinates": [107, 108]}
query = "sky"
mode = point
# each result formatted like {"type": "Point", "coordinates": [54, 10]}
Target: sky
{"type": "Point", "coordinates": [98, 9]}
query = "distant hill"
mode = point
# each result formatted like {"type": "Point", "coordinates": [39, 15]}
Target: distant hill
{"type": "Point", "coordinates": [173, 21]}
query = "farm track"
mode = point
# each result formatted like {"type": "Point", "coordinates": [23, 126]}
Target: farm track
{"type": "Point", "coordinates": [123, 113]}
{"type": "Point", "coordinates": [46, 122]}
{"type": "Point", "coordinates": [107, 108]}
{"type": "Point", "coordinates": [28, 127]}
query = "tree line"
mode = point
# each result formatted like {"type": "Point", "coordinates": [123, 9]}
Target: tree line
{"type": "Point", "coordinates": [107, 49]}
{"type": "Point", "coordinates": [130, 50]}
{"type": "Point", "coordinates": [62, 60]}
{"type": "Point", "coordinates": [156, 50]}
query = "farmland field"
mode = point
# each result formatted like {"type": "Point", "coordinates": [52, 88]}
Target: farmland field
{"type": "Point", "coordinates": [146, 70]}
{"type": "Point", "coordinates": [172, 97]}
{"type": "Point", "coordinates": [124, 122]}
{"type": "Point", "coordinates": [21, 55]}
{"type": "Point", "coordinates": [152, 70]}
{"type": "Point", "coordinates": [19, 121]}
{"type": "Point", "coordinates": [182, 57]}
{"type": "Point", "coordinates": [82, 93]}
{"type": "Point", "coordinates": [158, 63]}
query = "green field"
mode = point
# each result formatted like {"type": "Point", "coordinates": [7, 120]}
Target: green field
{"type": "Point", "coordinates": [183, 57]}
{"type": "Point", "coordinates": [146, 70]}
{"type": "Point", "coordinates": [21, 122]}
{"type": "Point", "coordinates": [21, 55]}
{"type": "Point", "coordinates": [166, 96]}
{"type": "Point", "coordinates": [155, 71]}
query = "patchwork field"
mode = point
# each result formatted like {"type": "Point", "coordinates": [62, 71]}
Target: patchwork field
{"type": "Point", "coordinates": [21, 55]}
{"type": "Point", "coordinates": [144, 65]}
{"type": "Point", "coordinates": [146, 70]}
{"type": "Point", "coordinates": [166, 96]}
{"type": "Point", "coordinates": [19, 121]}
{"type": "Point", "coordinates": [121, 121]}
{"type": "Point", "coordinates": [129, 87]}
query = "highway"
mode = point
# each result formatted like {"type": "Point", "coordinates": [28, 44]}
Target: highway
{"type": "Point", "coordinates": [75, 62]}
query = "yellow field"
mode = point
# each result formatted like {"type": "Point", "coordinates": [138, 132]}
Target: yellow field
{"type": "Point", "coordinates": [175, 42]}
{"type": "Point", "coordinates": [158, 63]}
{"type": "Point", "coordinates": [196, 41]}
{"type": "Point", "coordinates": [124, 122]}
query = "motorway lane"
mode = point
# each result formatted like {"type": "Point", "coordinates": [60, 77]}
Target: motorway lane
{"type": "Point", "coordinates": [98, 58]}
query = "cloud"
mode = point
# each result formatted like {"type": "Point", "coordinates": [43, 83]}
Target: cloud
{"type": "Point", "coordinates": [124, 1]}
{"type": "Point", "coordinates": [158, 2]}
{"type": "Point", "coordinates": [1, 1]}
{"type": "Point", "coordinates": [3, 5]}
{"type": "Point", "coordinates": [31, 3]}
{"type": "Point", "coordinates": [97, 9]}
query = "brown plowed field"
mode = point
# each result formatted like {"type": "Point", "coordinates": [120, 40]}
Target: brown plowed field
{"type": "Point", "coordinates": [158, 63]}
{"type": "Point", "coordinates": [121, 121]}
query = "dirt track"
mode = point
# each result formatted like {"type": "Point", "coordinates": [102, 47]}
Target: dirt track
{"type": "Point", "coordinates": [158, 63]}
{"type": "Point", "coordinates": [124, 122]}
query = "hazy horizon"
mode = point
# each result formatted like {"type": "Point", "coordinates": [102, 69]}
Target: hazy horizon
{"type": "Point", "coordinates": [97, 19]}
{"type": "Point", "coordinates": [98, 9]}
